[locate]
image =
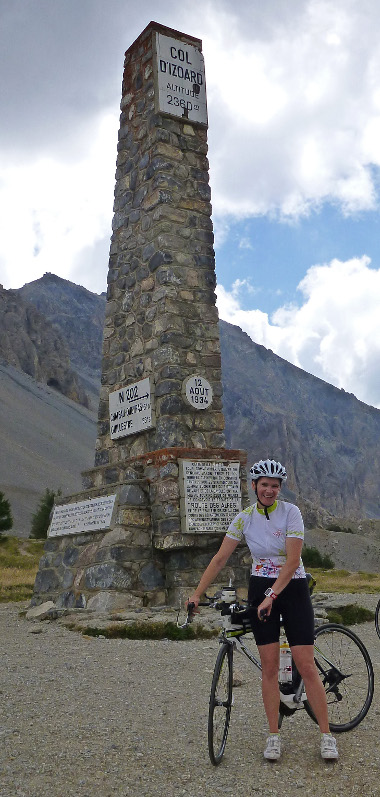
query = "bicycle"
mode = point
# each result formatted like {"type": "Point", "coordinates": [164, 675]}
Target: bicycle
{"type": "Point", "coordinates": [341, 658]}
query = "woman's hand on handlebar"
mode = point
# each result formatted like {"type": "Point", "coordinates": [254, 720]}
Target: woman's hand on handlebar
{"type": "Point", "coordinates": [192, 604]}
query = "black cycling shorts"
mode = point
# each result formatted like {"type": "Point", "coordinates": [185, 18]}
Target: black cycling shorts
{"type": "Point", "coordinates": [294, 606]}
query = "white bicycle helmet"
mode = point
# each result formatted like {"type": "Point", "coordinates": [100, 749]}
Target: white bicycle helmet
{"type": "Point", "coordinates": [268, 467]}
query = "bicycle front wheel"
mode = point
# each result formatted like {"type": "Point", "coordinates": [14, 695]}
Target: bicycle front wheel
{"type": "Point", "coordinates": [346, 672]}
{"type": "Point", "coordinates": [377, 619]}
{"type": "Point", "coordinates": [220, 704]}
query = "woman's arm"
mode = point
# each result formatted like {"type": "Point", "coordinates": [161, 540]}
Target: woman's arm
{"type": "Point", "coordinates": [216, 565]}
{"type": "Point", "coordinates": [293, 547]}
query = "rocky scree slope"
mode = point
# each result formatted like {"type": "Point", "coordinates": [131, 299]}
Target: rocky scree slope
{"type": "Point", "coordinates": [46, 441]}
{"type": "Point", "coordinates": [31, 344]}
{"type": "Point", "coordinates": [78, 315]}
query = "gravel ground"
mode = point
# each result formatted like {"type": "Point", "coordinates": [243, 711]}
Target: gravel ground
{"type": "Point", "coordinates": [91, 717]}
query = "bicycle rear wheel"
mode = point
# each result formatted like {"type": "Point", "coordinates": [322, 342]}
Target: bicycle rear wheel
{"type": "Point", "coordinates": [346, 672]}
{"type": "Point", "coordinates": [220, 704]}
{"type": "Point", "coordinates": [377, 619]}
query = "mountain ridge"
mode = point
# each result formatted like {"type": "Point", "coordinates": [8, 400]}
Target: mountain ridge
{"type": "Point", "coordinates": [327, 438]}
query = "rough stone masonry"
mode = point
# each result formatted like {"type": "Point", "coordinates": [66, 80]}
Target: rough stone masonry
{"type": "Point", "coordinates": [161, 326]}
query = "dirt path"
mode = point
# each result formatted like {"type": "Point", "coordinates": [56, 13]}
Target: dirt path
{"type": "Point", "coordinates": [99, 718]}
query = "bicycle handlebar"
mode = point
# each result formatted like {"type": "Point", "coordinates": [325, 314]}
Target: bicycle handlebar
{"type": "Point", "coordinates": [212, 601]}
{"type": "Point", "coordinates": [215, 603]}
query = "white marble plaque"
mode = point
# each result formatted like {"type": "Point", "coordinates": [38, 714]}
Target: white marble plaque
{"type": "Point", "coordinates": [93, 514]}
{"type": "Point", "coordinates": [181, 81]}
{"type": "Point", "coordinates": [198, 392]}
{"type": "Point", "coordinates": [131, 409]}
{"type": "Point", "coordinates": [210, 495]}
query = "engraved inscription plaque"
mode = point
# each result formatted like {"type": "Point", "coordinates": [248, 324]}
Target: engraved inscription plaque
{"type": "Point", "coordinates": [210, 495]}
{"type": "Point", "coordinates": [91, 515]}
{"type": "Point", "coordinates": [180, 72]}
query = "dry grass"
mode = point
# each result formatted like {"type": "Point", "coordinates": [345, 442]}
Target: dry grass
{"type": "Point", "coordinates": [344, 581]}
{"type": "Point", "coordinates": [18, 568]}
{"type": "Point", "coordinates": [12, 576]}
{"type": "Point", "coordinates": [19, 564]}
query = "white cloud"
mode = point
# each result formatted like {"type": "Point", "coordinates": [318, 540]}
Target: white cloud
{"type": "Point", "coordinates": [51, 211]}
{"type": "Point", "coordinates": [245, 243]}
{"type": "Point", "coordinates": [298, 104]}
{"type": "Point", "coordinates": [333, 334]}
{"type": "Point", "coordinates": [294, 109]}
{"type": "Point", "coordinates": [238, 284]}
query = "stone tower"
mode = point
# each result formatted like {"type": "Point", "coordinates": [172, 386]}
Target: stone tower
{"type": "Point", "coordinates": [165, 483]}
{"type": "Point", "coordinates": [161, 317]}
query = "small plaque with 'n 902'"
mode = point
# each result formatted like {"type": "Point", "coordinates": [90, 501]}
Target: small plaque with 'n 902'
{"type": "Point", "coordinates": [131, 409]}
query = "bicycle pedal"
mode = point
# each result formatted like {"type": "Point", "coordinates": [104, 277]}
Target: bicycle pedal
{"type": "Point", "coordinates": [289, 701]}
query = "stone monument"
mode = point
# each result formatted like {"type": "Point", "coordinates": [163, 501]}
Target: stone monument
{"type": "Point", "coordinates": [164, 487]}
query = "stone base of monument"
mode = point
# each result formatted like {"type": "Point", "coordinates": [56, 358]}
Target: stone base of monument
{"type": "Point", "coordinates": [160, 517]}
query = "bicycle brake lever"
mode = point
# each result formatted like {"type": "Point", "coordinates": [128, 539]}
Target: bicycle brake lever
{"type": "Point", "coordinates": [189, 618]}
{"type": "Point", "coordinates": [190, 610]}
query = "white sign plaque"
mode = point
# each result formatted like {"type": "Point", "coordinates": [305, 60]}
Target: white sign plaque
{"type": "Point", "coordinates": [181, 79]}
{"type": "Point", "coordinates": [198, 392]}
{"type": "Point", "coordinates": [93, 514]}
{"type": "Point", "coordinates": [131, 409]}
{"type": "Point", "coordinates": [210, 495]}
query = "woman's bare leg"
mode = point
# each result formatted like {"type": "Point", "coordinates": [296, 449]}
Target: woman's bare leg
{"type": "Point", "coordinates": [303, 656]}
{"type": "Point", "coordinates": [270, 659]}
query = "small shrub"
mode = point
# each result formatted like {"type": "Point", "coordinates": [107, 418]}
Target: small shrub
{"type": "Point", "coordinates": [41, 518]}
{"type": "Point", "coordinates": [311, 557]}
{"type": "Point", "coordinates": [336, 527]}
{"type": "Point", "coordinates": [6, 519]}
{"type": "Point", "coordinates": [150, 630]}
{"type": "Point", "coordinates": [350, 614]}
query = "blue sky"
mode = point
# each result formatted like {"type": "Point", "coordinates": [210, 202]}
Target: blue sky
{"type": "Point", "coordinates": [274, 256]}
{"type": "Point", "coordinates": [294, 149]}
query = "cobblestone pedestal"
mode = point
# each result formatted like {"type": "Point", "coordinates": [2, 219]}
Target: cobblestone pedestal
{"type": "Point", "coordinates": [144, 559]}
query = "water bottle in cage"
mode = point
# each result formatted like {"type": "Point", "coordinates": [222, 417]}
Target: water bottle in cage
{"type": "Point", "coordinates": [228, 594]}
{"type": "Point", "coordinates": [285, 670]}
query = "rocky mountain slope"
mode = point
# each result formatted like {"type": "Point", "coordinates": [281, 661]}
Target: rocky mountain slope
{"type": "Point", "coordinates": [29, 342]}
{"type": "Point", "coordinates": [328, 439]}
{"type": "Point", "coordinates": [46, 441]}
{"type": "Point", "coordinates": [78, 316]}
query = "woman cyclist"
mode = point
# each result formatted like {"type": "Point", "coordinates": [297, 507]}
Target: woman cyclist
{"type": "Point", "coordinates": [274, 532]}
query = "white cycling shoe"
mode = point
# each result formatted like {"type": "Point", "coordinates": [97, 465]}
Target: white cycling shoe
{"type": "Point", "coordinates": [272, 751]}
{"type": "Point", "coordinates": [328, 747]}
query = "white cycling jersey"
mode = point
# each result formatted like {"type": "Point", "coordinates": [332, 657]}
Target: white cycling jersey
{"type": "Point", "coordinates": [266, 538]}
